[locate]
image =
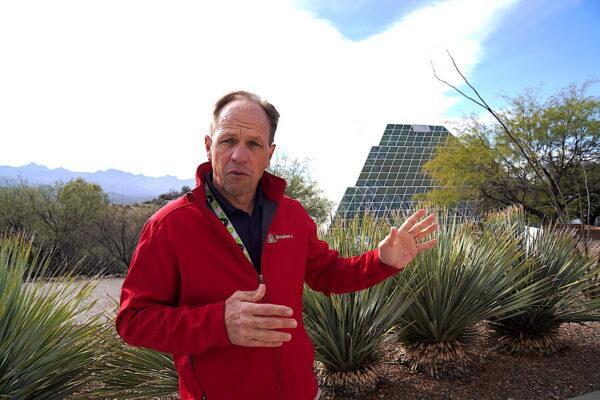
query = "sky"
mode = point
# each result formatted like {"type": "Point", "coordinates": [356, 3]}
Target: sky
{"type": "Point", "coordinates": [130, 84]}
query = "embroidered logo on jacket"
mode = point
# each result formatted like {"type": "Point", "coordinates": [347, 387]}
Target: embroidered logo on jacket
{"type": "Point", "coordinates": [271, 238]}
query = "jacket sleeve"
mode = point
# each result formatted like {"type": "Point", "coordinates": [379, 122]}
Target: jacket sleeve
{"type": "Point", "coordinates": [149, 315]}
{"type": "Point", "coordinates": [327, 272]}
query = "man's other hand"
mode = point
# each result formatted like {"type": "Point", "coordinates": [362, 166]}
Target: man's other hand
{"type": "Point", "coordinates": [254, 324]}
{"type": "Point", "coordinates": [402, 244]}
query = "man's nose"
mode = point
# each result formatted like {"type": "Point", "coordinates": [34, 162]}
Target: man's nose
{"type": "Point", "coordinates": [240, 153]}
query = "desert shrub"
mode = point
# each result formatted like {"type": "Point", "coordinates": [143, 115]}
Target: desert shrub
{"type": "Point", "coordinates": [47, 341]}
{"type": "Point", "coordinates": [470, 276]}
{"type": "Point", "coordinates": [348, 330]}
{"type": "Point", "coordinates": [567, 279]}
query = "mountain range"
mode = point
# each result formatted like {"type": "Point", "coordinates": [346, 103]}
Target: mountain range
{"type": "Point", "coordinates": [121, 187]}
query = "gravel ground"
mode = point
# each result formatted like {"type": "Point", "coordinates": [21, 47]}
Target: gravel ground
{"type": "Point", "coordinates": [573, 371]}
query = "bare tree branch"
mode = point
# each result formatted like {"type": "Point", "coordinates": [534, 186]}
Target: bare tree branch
{"type": "Point", "coordinates": [553, 188]}
{"type": "Point", "coordinates": [455, 88]}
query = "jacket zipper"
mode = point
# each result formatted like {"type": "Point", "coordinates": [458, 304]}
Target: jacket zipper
{"type": "Point", "coordinates": [262, 280]}
{"type": "Point", "coordinates": [277, 366]}
{"type": "Point", "coordinates": [278, 369]}
{"type": "Point", "coordinates": [197, 380]}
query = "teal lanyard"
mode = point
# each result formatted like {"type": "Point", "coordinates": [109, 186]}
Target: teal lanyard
{"type": "Point", "coordinates": [228, 225]}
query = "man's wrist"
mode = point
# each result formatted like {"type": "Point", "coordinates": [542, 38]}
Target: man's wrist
{"type": "Point", "coordinates": [382, 264]}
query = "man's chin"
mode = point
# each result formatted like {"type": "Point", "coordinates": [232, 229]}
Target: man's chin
{"type": "Point", "coordinates": [238, 189]}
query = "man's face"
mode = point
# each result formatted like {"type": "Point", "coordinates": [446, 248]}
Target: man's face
{"type": "Point", "coordinates": [239, 148]}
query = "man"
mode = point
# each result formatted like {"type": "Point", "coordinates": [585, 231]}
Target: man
{"type": "Point", "coordinates": [218, 274]}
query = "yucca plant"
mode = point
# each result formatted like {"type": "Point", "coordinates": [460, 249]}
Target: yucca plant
{"type": "Point", "coordinates": [46, 343]}
{"type": "Point", "coordinates": [468, 277]}
{"type": "Point", "coordinates": [347, 330]}
{"type": "Point", "coordinates": [127, 372]}
{"type": "Point", "coordinates": [552, 257]}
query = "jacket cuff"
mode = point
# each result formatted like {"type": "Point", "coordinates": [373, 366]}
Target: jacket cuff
{"type": "Point", "coordinates": [216, 321]}
{"type": "Point", "coordinates": [383, 266]}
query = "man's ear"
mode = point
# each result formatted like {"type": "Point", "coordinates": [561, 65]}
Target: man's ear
{"type": "Point", "coordinates": [207, 144]}
{"type": "Point", "coordinates": [271, 151]}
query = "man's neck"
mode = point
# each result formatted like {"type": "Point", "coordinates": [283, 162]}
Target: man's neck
{"type": "Point", "coordinates": [244, 202]}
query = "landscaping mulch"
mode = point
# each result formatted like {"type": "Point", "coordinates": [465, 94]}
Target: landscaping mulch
{"type": "Point", "coordinates": [572, 371]}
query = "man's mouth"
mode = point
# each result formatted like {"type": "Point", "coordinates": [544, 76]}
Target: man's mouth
{"type": "Point", "coordinates": [238, 172]}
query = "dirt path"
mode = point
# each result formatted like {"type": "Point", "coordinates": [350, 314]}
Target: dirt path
{"type": "Point", "coordinates": [106, 294]}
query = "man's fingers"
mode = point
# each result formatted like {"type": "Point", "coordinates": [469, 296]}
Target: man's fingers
{"type": "Point", "coordinates": [422, 224]}
{"type": "Point", "coordinates": [274, 323]}
{"type": "Point", "coordinates": [252, 296]}
{"type": "Point", "coordinates": [426, 232]}
{"type": "Point", "coordinates": [265, 338]}
{"type": "Point", "coordinates": [426, 245]}
{"type": "Point", "coordinates": [259, 343]}
{"type": "Point", "coordinates": [412, 220]}
{"type": "Point", "coordinates": [391, 237]}
{"type": "Point", "coordinates": [250, 323]}
{"type": "Point", "coordinates": [269, 336]}
{"type": "Point", "coordinates": [265, 309]}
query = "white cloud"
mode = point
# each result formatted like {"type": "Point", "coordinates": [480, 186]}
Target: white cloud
{"type": "Point", "coordinates": [130, 84]}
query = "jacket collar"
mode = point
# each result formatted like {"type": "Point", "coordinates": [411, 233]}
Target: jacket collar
{"type": "Point", "coordinates": [273, 187]}
{"type": "Point", "coordinates": [229, 208]}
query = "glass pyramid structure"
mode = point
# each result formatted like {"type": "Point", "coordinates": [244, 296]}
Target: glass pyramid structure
{"type": "Point", "coordinates": [392, 173]}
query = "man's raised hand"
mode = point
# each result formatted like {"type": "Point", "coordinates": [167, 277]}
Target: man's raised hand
{"type": "Point", "coordinates": [402, 244]}
{"type": "Point", "coordinates": [254, 324]}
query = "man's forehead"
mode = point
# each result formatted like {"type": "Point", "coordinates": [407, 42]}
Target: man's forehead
{"type": "Point", "coordinates": [241, 115]}
{"type": "Point", "coordinates": [243, 109]}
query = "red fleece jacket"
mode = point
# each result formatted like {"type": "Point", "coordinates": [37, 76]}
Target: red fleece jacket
{"type": "Point", "coordinates": [186, 265]}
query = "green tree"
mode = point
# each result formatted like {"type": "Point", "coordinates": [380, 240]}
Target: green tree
{"type": "Point", "coordinates": [302, 187]}
{"type": "Point", "coordinates": [65, 215]}
{"type": "Point", "coordinates": [165, 198]}
{"type": "Point", "coordinates": [15, 212]}
{"type": "Point", "coordinates": [117, 232]}
{"type": "Point", "coordinates": [541, 154]}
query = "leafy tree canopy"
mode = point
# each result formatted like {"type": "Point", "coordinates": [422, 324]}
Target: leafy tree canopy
{"type": "Point", "coordinates": [165, 198]}
{"type": "Point", "coordinates": [547, 159]}
{"type": "Point", "coordinates": [301, 186]}
{"type": "Point", "coordinates": [76, 221]}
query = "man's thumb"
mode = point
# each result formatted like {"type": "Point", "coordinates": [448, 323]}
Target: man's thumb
{"type": "Point", "coordinates": [252, 296]}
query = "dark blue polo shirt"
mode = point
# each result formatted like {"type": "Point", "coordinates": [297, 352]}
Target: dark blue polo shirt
{"type": "Point", "coordinates": [247, 226]}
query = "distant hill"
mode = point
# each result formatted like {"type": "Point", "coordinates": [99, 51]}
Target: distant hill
{"type": "Point", "coordinates": [121, 187]}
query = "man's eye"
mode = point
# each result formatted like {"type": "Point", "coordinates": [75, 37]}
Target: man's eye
{"type": "Point", "coordinates": [255, 144]}
{"type": "Point", "coordinates": [230, 140]}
